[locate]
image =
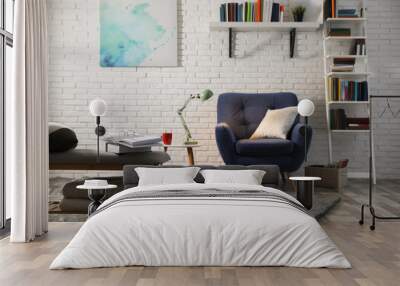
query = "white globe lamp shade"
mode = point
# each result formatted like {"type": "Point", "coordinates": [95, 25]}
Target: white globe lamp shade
{"type": "Point", "coordinates": [98, 107]}
{"type": "Point", "coordinates": [306, 108]}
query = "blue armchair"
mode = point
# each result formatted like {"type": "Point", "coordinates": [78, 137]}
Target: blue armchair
{"type": "Point", "coordinates": [239, 116]}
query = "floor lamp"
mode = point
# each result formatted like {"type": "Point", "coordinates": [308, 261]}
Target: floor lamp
{"type": "Point", "coordinates": [306, 109]}
{"type": "Point", "coordinates": [98, 108]}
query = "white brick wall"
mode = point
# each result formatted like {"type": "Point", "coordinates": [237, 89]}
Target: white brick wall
{"type": "Point", "coordinates": [145, 99]}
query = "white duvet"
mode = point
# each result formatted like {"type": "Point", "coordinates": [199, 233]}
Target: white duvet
{"type": "Point", "coordinates": [200, 231]}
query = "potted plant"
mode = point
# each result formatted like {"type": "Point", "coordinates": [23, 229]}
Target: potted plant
{"type": "Point", "coordinates": [298, 13]}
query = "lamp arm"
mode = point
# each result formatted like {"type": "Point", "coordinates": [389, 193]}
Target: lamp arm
{"type": "Point", "coordinates": [191, 97]}
{"type": "Point", "coordinates": [185, 127]}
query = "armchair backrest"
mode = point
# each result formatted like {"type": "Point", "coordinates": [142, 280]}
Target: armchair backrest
{"type": "Point", "coordinates": [244, 112]}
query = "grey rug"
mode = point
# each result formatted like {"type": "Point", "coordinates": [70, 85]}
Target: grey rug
{"type": "Point", "coordinates": [325, 200]}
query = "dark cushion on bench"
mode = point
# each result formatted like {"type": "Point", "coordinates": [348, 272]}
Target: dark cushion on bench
{"type": "Point", "coordinates": [85, 159]}
{"type": "Point", "coordinates": [61, 138]}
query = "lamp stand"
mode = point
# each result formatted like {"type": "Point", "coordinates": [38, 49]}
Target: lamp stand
{"type": "Point", "coordinates": [189, 140]}
{"type": "Point", "coordinates": [305, 138]}
{"type": "Point", "coordinates": [99, 131]}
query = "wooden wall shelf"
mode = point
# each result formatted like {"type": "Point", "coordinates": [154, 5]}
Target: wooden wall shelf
{"type": "Point", "coordinates": [291, 27]}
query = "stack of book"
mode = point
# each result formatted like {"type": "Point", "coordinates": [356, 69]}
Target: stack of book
{"type": "Point", "coordinates": [357, 123]}
{"type": "Point", "coordinates": [251, 11]}
{"type": "Point", "coordinates": [347, 13]}
{"type": "Point", "coordinates": [339, 32]}
{"type": "Point", "coordinates": [133, 143]}
{"type": "Point", "coordinates": [343, 65]}
{"type": "Point", "coordinates": [347, 90]}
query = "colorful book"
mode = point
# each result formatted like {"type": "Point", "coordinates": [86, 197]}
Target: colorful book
{"type": "Point", "coordinates": [275, 12]}
{"type": "Point", "coordinates": [258, 10]}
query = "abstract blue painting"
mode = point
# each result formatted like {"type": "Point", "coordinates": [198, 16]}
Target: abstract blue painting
{"type": "Point", "coordinates": [138, 33]}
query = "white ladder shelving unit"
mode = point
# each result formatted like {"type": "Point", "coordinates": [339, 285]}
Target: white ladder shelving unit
{"type": "Point", "coordinates": [360, 26]}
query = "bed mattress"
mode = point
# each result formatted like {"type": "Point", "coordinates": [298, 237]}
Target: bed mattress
{"type": "Point", "coordinates": [201, 225]}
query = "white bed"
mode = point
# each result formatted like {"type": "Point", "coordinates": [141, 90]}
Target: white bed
{"type": "Point", "coordinates": [200, 231]}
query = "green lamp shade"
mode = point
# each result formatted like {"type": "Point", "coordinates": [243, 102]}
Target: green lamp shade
{"type": "Point", "coordinates": [206, 95]}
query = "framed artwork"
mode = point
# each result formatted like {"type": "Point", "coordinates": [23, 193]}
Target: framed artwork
{"type": "Point", "coordinates": [136, 33]}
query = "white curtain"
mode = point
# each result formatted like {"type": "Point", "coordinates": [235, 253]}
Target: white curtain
{"type": "Point", "coordinates": [27, 148]}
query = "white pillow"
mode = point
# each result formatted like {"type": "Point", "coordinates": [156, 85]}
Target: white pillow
{"type": "Point", "coordinates": [166, 176]}
{"type": "Point", "coordinates": [247, 177]}
{"type": "Point", "coordinates": [276, 123]}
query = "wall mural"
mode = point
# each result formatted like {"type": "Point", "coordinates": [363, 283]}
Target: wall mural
{"type": "Point", "coordinates": [138, 33]}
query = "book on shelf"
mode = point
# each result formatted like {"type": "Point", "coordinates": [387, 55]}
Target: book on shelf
{"type": "Point", "coordinates": [251, 11]}
{"type": "Point", "coordinates": [330, 9]}
{"type": "Point", "coordinates": [339, 32]}
{"type": "Point", "coordinates": [275, 12]}
{"type": "Point", "coordinates": [357, 123]}
{"type": "Point", "coordinates": [347, 13]}
{"type": "Point", "coordinates": [337, 118]}
{"type": "Point", "coordinates": [343, 64]}
{"type": "Point", "coordinates": [342, 68]}
{"type": "Point", "coordinates": [359, 48]}
{"type": "Point", "coordinates": [344, 61]}
{"type": "Point", "coordinates": [347, 90]}
{"type": "Point", "coordinates": [340, 121]}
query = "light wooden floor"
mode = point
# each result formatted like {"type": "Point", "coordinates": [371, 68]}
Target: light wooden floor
{"type": "Point", "coordinates": [375, 256]}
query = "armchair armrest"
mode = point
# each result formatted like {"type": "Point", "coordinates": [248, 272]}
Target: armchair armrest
{"type": "Point", "coordinates": [298, 134]}
{"type": "Point", "coordinates": [226, 142]}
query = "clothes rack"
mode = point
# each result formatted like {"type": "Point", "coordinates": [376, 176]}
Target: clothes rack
{"type": "Point", "coordinates": [370, 205]}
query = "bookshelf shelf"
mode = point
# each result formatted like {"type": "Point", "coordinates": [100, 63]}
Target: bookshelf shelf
{"type": "Point", "coordinates": [349, 131]}
{"type": "Point", "coordinates": [290, 27]}
{"type": "Point", "coordinates": [346, 19]}
{"type": "Point", "coordinates": [260, 26]}
{"type": "Point", "coordinates": [345, 38]}
{"type": "Point", "coordinates": [348, 74]}
{"type": "Point", "coordinates": [348, 102]}
{"type": "Point", "coordinates": [347, 56]}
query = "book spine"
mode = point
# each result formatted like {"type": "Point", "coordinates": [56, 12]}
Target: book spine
{"type": "Point", "coordinates": [253, 12]}
{"type": "Point", "coordinates": [236, 12]}
{"type": "Point", "coordinates": [333, 8]}
{"type": "Point", "coordinates": [275, 12]}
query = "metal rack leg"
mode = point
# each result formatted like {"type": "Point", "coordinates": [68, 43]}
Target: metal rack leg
{"type": "Point", "coordinates": [372, 211]}
{"type": "Point", "coordinates": [374, 216]}
{"type": "Point", "coordinates": [361, 221]}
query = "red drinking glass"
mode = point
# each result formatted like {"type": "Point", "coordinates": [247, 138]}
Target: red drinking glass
{"type": "Point", "coordinates": [167, 138]}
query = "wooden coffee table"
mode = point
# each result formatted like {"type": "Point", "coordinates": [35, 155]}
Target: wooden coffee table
{"type": "Point", "coordinates": [189, 150]}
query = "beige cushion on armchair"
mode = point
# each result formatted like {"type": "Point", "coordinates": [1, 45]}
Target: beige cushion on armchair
{"type": "Point", "coordinates": [276, 123]}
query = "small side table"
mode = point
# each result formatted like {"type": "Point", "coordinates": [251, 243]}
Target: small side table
{"type": "Point", "coordinates": [305, 190]}
{"type": "Point", "coordinates": [96, 195]}
{"type": "Point", "coordinates": [189, 149]}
